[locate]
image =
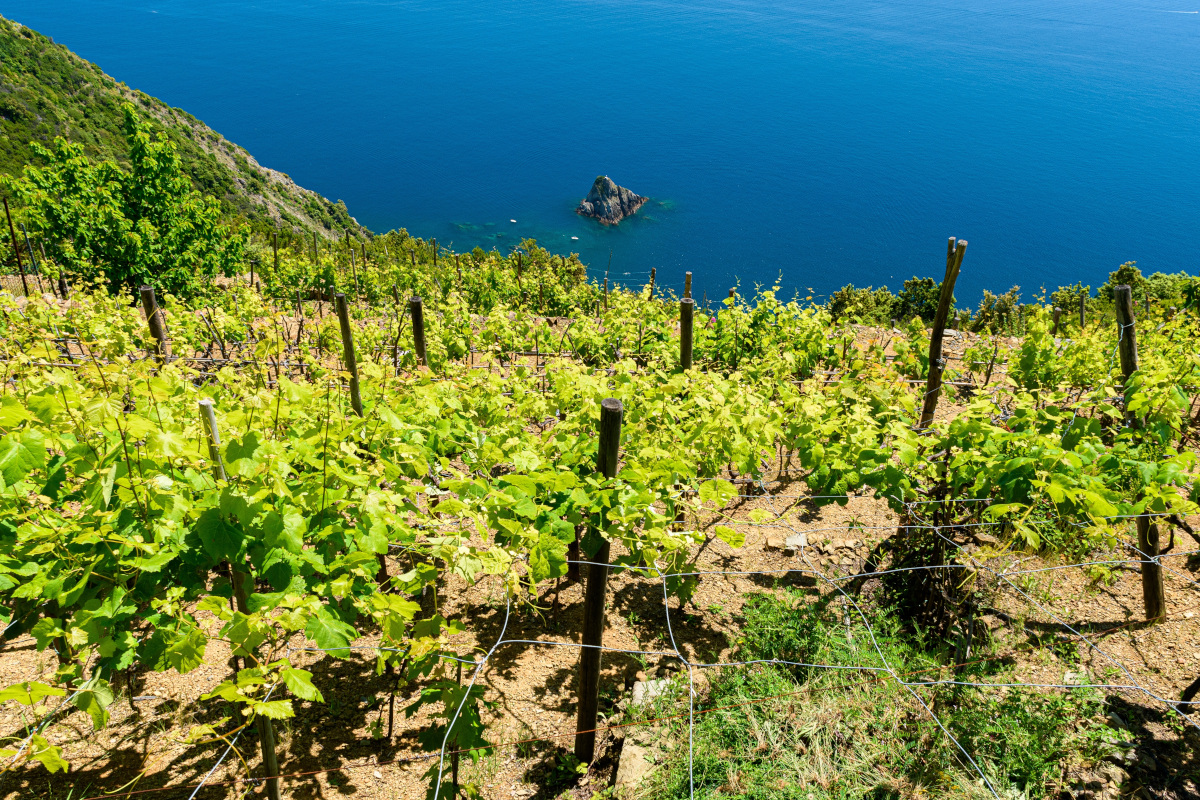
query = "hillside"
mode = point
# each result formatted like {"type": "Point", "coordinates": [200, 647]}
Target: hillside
{"type": "Point", "coordinates": [48, 91]}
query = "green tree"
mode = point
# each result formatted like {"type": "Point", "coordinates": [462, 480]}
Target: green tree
{"type": "Point", "coordinates": [145, 226]}
{"type": "Point", "coordinates": [919, 298]}
{"type": "Point", "coordinates": [1125, 275]}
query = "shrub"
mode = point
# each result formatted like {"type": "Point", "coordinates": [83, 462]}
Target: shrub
{"type": "Point", "coordinates": [1068, 297]}
{"type": "Point", "coordinates": [997, 312]}
{"type": "Point", "coordinates": [866, 305]}
{"type": "Point", "coordinates": [919, 298]}
{"type": "Point", "coordinates": [1125, 275]}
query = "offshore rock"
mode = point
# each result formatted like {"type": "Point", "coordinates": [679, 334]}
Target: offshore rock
{"type": "Point", "coordinates": [608, 202]}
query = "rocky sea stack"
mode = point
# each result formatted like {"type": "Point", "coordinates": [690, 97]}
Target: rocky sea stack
{"type": "Point", "coordinates": [608, 202]}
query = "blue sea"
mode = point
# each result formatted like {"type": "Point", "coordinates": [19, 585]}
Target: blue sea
{"type": "Point", "coordinates": [818, 141]}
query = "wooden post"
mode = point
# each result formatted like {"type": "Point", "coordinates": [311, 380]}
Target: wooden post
{"type": "Point", "coordinates": [687, 284]}
{"type": "Point", "coordinates": [251, 283]}
{"type": "Point", "coordinates": [1126, 340]}
{"type": "Point", "coordinates": [1082, 312]}
{"type": "Point", "coordinates": [316, 253]}
{"type": "Point", "coordinates": [343, 312]}
{"type": "Point", "coordinates": [454, 757]}
{"type": "Point", "coordinates": [1057, 315]}
{"type": "Point", "coordinates": [63, 291]}
{"type": "Point", "coordinates": [12, 231]}
{"type": "Point", "coordinates": [417, 310]}
{"type": "Point", "coordinates": [240, 581]}
{"type": "Point", "coordinates": [266, 736]}
{"type": "Point", "coordinates": [594, 596]}
{"type": "Point", "coordinates": [933, 384]}
{"type": "Point", "coordinates": [154, 318]}
{"type": "Point", "coordinates": [353, 272]}
{"type": "Point", "coordinates": [606, 294]}
{"type": "Point", "coordinates": [652, 272]}
{"type": "Point", "coordinates": [214, 439]}
{"type": "Point", "coordinates": [299, 317]}
{"type": "Point", "coordinates": [733, 291]}
{"type": "Point", "coordinates": [519, 287]}
{"type": "Point", "coordinates": [1153, 591]}
{"type": "Point", "coordinates": [686, 307]}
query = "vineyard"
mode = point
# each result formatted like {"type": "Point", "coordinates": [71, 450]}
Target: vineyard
{"type": "Point", "coordinates": [378, 518]}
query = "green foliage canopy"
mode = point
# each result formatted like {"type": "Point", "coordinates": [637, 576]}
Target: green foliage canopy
{"type": "Point", "coordinates": [147, 225]}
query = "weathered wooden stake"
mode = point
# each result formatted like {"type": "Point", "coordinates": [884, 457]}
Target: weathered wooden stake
{"type": "Point", "coordinates": [316, 253]}
{"type": "Point", "coordinates": [266, 735]}
{"type": "Point", "coordinates": [733, 291]}
{"type": "Point", "coordinates": [454, 757]}
{"type": "Point", "coordinates": [154, 318]}
{"type": "Point", "coordinates": [686, 306]}
{"type": "Point", "coordinates": [242, 586]}
{"type": "Point", "coordinates": [652, 272]}
{"type": "Point", "coordinates": [343, 312]}
{"type": "Point", "coordinates": [1153, 592]}
{"type": "Point", "coordinates": [933, 384]}
{"type": "Point", "coordinates": [687, 284]}
{"type": "Point", "coordinates": [594, 596]}
{"type": "Point", "coordinates": [606, 294]}
{"type": "Point", "coordinates": [416, 308]}
{"type": "Point", "coordinates": [209, 418]}
{"type": "Point", "coordinates": [354, 273]}
{"type": "Point", "coordinates": [1057, 315]}
{"type": "Point", "coordinates": [1082, 312]}
{"type": "Point", "coordinates": [1126, 340]}
{"type": "Point", "coordinates": [16, 247]}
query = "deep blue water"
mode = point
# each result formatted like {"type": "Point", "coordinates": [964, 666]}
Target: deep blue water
{"type": "Point", "coordinates": [832, 141]}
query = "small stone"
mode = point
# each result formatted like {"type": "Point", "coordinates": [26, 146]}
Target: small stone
{"type": "Point", "coordinates": [775, 543]}
{"type": "Point", "coordinates": [378, 774]}
{"type": "Point", "coordinates": [794, 543]}
{"type": "Point", "coordinates": [983, 538]}
{"type": "Point", "coordinates": [1117, 722]}
{"type": "Point", "coordinates": [1189, 614]}
{"type": "Point", "coordinates": [644, 691]}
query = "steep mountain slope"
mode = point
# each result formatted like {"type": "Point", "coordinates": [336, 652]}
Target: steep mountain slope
{"type": "Point", "coordinates": [47, 91]}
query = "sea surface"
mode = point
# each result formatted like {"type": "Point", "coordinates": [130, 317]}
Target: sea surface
{"type": "Point", "coordinates": [820, 142]}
